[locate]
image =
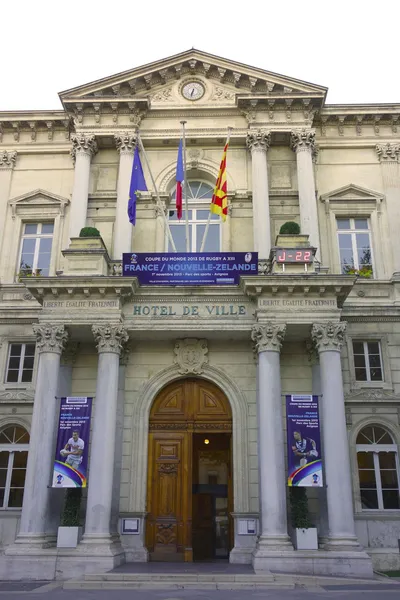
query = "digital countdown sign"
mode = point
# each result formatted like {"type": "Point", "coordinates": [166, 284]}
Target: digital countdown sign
{"type": "Point", "coordinates": [294, 255]}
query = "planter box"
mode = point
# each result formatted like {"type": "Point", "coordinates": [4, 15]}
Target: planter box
{"type": "Point", "coordinates": [69, 537]}
{"type": "Point", "coordinates": [306, 539]}
{"type": "Point", "coordinates": [286, 240]}
{"type": "Point", "coordinates": [86, 256]}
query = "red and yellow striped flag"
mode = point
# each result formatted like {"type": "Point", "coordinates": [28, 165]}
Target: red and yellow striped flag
{"type": "Point", "coordinates": [219, 202]}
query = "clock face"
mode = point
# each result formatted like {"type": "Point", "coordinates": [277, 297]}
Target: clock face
{"type": "Point", "coordinates": [193, 90]}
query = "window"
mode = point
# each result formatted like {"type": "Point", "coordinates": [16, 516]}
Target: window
{"type": "Point", "coordinates": [20, 363]}
{"type": "Point", "coordinates": [37, 240]}
{"type": "Point", "coordinates": [199, 198]}
{"type": "Point", "coordinates": [14, 445]}
{"type": "Point", "coordinates": [377, 469]}
{"type": "Point", "coordinates": [367, 361]}
{"type": "Point", "coordinates": [355, 246]}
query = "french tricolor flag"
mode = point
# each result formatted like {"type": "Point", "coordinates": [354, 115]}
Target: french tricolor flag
{"type": "Point", "coordinates": [179, 181]}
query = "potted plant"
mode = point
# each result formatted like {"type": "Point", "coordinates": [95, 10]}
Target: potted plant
{"type": "Point", "coordinates": [305, 534]}
{"type": "Point", "coordinates": [26, 270]}
{"type": "Point", "coordinates": [89, 232]}
{"type": "Point", "coordinates": [290, 228]}
{"type": "Point", "coordinates": [70, 531]}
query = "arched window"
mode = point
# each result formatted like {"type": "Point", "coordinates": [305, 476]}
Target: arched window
{"type": "Point", "coordinates": [14, 446]}
{"type": "Point", "coordinates": [199, 198]}
{"type": "Point", "coordinates": [378, 468]}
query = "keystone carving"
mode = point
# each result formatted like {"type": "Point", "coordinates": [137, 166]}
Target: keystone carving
{"type": "Point", "coordinates": [268, 337]}
{"type": "Point", "coordinates": [125, 142]}
{"type": "Point", "coordinates": [7, 159]}
{"type": "Point", "coordinates": [388, 152]}
{"type": "Point", "coordinates": [50, 338]}
{"type": "Point", "coordinates": [110, 337]}
{"type": "Point", "coordinates": [258, 141]}
{"type": "Point", "coordinates": [328, 336]}
{"type": "Point", "coordinates": [302, 140]}
{"type": "Point", "coordinates": [83, 144]}
{"type": "Point", "coordinates": [191, 355]}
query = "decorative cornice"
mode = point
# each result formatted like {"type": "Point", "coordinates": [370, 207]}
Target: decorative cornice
{"type": "Point", "coordinates": [17, 396]}
{"type": "Point", "coordinates": [125, 142]}
{"type": "Point", "coordinates": [83, 144]}
{"type": "Point", "coordinates": [328, 336]}
{"type": "Point", "coordinates": [50, 338]}
{"type": "Point", "coordinates": [110, 337]}
{"type": "Point", "coordinates": [388, 152]}
{"type": "Point", "coordinates": [258, 141]}
{"type": "Point", "coordinates": [7, 159]}
{"type": "Point", "coordinates": [191, 355]}
{"type": "Point", "coordinates": [302, 140]}
{"type": "Point", "coordinates": [268, 337]}
{"type": "Point", "coordinates": [372, 395]}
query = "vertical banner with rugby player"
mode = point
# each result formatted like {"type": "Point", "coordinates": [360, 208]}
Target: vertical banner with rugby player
{"type": "Point", "coordinates": [70, 464]}
{"type": "Point", "coordinates": [303, 441]}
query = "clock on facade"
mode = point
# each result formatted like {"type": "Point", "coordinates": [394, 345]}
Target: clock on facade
{"type": "Point", "coordinates": [193, 90]}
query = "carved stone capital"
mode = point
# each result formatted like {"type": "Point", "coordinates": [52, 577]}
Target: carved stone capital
{"type": "Point", "coordinates": [258, 141]}
{"type": "Point", "coordinates": [7, 159]}
{"type": "Point", "coordinates": [110, 337]}
{"type": "Point", "coordinates": [50, 338]}
{"type": "Point", "coordinates": [388, 152]}
{"type": "Point", "coordinates": [125, 142]}
{"type": "Point", "coordinates": [83, 144]}
{"type": "Point", "coordinates": [328, 336]}
{"type": "Point", "coordinates": [191, 355]}
{"type": "Point", "coordinates": [301, 140]}
{"type": "Point", "coordinates": [268, 337]}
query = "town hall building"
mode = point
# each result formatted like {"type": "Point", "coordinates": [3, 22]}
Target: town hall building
{"type": "Point", "coordinates": [188, 443]}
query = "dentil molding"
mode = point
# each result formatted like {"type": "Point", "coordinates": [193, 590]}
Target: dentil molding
{"type": "Point", "coordinates": [328, 336]}
{"type": "Point", "coordinates": [259, 140]}
{"type": "Point", "coordinates": [110, 337]}
{"type": "Point", "coordinates": [191, 355]}
{"type": "Point", "coordinates": [268, 337]}
{"type": "Point", "coordinates": [50, 338]}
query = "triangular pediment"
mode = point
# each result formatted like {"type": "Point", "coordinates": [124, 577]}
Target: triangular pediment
{"type": "Point", "coordinates": [156, 81]}
{"type": "Point", "coordinates": [38, 199]}
{"type": "Point", "coordinates": [351, 193]}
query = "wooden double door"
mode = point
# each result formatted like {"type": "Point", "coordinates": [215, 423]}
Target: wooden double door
{"type": "Point", "coordinates": [189, 472]}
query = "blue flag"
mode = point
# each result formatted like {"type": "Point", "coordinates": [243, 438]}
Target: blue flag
{"type": "Point", "coordinates": [138, 184]}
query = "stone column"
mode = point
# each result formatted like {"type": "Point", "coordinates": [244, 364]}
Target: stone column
{"type": "Point", "coordinates": [7, 164]}
{"type": "Point", "coordinates": [109, 338]}
{"type": "Point", "coordinates": [50, 341]}
{"type": "Point", "coordinates": [268, 340]}
{"type": "Point", "coordinates": [329, 338]}
{"type": "Point", "coordinates": [258, 143]}
{"type": "Point", "coordinates": [388, 155]}
{"type": "Point", "coordinates": [126, 143]}
{"type": "Point", "coordinates": [303, 144]}
{"type": "Point", "coordinates": [83, 148]}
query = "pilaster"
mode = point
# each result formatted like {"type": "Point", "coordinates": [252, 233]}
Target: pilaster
{"type": "Point", "coordinates": [7, 163]}
{"type": "Point", "coordinates": [122, 242]}
{"type": "Point", "coordinates": [84, 147]}
{"type": "Point", "coordinates": [258, 142]}
{"type": "Point", "coordinates": [389, 155]}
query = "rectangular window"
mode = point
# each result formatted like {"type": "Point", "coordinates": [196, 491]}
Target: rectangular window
{"type": "Point", "coordinates": [35, 254]}
{"type": "Point", "coordinates": [379, 484]}
{"type": "Point", "coordinates": [197, 218]}
{"type": "Point", "coordinates": [355, 246]}
{"type": "Point", "coordinates": [20, 361]}
{"type": "Point", "coordinates": [12, 478]}
{"type": "Point", "coordinates": [367, 361]}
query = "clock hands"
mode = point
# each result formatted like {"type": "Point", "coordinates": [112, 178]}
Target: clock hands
{"type": "Point", "coordinates": [192, 92]}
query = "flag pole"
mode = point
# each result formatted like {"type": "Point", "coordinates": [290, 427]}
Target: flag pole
{"type": "Point", "coordinates": [187, 236]}
{"type": "Point", "coordinates": [209, 214]}
{"type": "Point", "coordinates": [159, 204]}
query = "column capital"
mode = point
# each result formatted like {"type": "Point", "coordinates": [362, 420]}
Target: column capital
{"type": "Point", "coordinates": [7, 160]}
{"type": "Point", "coordinates": [125, 142]}
{"type": "Point", "coordinates": [110, 337]}
{"type": "Point", "coordinates": [258, 140]}
{"type": "Point", "coordinates": [388, 152]}
{"type": "Point", "coordinates": [50, 337]}
{"type": "Point", "coordinates": [268, 337]}
{"type": "Point", "coordinates": [83, 144]}
{"type": "Point", "coordinates": [328, 336]}
{"type": "Point", "coordinates": [302, 139]}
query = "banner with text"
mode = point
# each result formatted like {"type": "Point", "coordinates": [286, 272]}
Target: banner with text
{"type": "Point", "coordinates": [70, 464]}
{"type": "Point", "coordinates": [303, 441]}
{"type": "Point", "coordinates": [205, 268]}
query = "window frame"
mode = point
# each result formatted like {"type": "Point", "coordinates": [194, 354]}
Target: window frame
{"type": "Point", "coordinates": [382, 339]}
{"type": "Point", "coordinates": [37, 237]}
{"type": "Point", "coordinates": [12, 449]}
{"type": "Point", "coordinates": [352, 231]}
{"type": "Point", "coordinates": [21, 363]}
{"type": "Point", "coordinates": [376, 449]}
{"type": "Point", "coordinates": [367, 362]}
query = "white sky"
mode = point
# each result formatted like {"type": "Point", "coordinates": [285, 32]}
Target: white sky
{"type": "Point", "coordinates": [349, 46]}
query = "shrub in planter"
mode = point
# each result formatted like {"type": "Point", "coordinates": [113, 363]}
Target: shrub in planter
{"type": "Point", "coordinates": [72, 507]}
{"type": "Point", "coordinates": [89, 232]}
{"type": "Point", "coordinates": [290, 228]}
{"type": "Point", "coordinates": [300, 517]}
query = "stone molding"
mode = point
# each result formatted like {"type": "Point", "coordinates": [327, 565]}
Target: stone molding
{"type": "Point", "coordinates": [372, 395]}
{"type": "Point", "coordinates": [7, 160]}
{"type": "Point", "coordinates": [258, 141]}
{"type": "Point", "coordinates": [388, 152]}
{"type": "Point", "coordinates": [191, 355]}
{"type": "Point", "coordinates": [301, 140]}
{"type": "Point", "coordinates": [125, 142]}
{"type": "Point", "coordinates": [83, 144]}
{"type": "Point", "coordinates": [50, 338]}
{"type": "Point", "coordinates": [110, 337]}
{"type": "Point", "coordinates": [328, 337]}
{"type": "Point", "coordinates": [68, 357]}
{"type": "Point", "coordinates": [268, 337]}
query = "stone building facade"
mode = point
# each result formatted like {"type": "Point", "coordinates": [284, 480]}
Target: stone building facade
{"type": "Point", "coordinates": [71, 325]}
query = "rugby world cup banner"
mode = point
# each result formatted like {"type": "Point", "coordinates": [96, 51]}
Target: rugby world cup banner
{"type": "Point", "coordinates": [303, 441]}
{"type": "Point", "coordinates": [179, 268]}
{"type": "Point", "coordinates": [70, 464]}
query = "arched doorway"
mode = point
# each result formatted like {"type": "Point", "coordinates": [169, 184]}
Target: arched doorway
{"type": "Point", "coordinates": [189, 486]}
